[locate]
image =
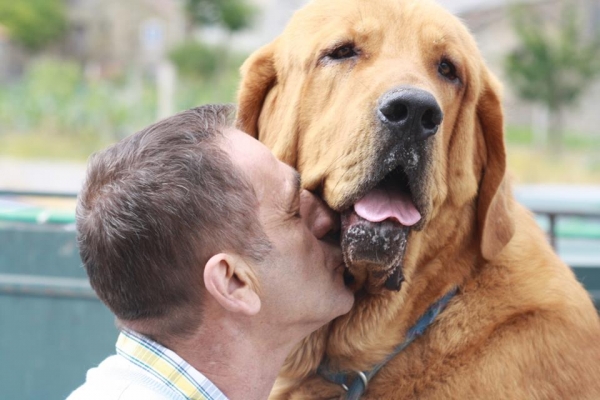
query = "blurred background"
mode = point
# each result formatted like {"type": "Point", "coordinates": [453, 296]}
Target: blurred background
{"type": "Point", "coordinates": [78, 75]}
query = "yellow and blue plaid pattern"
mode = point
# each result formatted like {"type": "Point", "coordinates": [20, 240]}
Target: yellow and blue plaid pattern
{"type": "Point", "coordinates": [167, 367]}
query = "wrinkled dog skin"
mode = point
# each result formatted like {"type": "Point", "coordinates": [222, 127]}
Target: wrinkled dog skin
{"type": "Point", "coordinates": [389, 113]}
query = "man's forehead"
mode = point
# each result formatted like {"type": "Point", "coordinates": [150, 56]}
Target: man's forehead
{"type": "Point", "coordinates": [263, 169]}
{"type": "Point", "coordinates": [253, 159]}
{"type": "Point", "coordinates": [235, 135]}
{"type": "Point", "coordinates": [244, 148]}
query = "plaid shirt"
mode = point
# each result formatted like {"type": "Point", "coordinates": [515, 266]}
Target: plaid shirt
{"type": "Point", "coordinates": [167, 367]}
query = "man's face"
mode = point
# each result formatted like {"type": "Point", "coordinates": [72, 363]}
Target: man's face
{"type": "Point", "coordinates": [301, 280]}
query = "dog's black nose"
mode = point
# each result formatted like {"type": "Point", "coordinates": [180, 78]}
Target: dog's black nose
{"type": "Point", "coordinates": [411, 111]}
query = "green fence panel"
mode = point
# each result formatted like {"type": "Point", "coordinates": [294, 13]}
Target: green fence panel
{"type": "Point", "coordinates": [52, 327]}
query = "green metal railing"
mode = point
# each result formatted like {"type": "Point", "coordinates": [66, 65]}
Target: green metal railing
{"type": "Point", "coordinates": [34, 214]}
{"type": "Point", "coordinates": [54, 328]}
{"type": "Point", "coordinates": [46, 286]}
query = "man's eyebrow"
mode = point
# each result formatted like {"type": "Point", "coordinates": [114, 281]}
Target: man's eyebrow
{"type": "Point", "coordinates": [297, 181]}
{"type": "Point", "coordinates": [295, 187]}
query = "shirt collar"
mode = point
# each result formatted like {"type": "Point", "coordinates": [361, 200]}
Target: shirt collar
{"type": "Point", "coordinates": [167, 367]}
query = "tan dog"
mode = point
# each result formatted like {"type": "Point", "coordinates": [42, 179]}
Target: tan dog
{"type": "Point", "coordinates": [388, 111]}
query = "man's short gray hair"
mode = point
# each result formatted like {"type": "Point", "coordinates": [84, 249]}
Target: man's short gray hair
{"type": "Point", "coordinates": [156, 206]}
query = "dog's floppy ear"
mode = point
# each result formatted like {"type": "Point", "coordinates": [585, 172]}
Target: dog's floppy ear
{"type": "Point", "coordinates": [258, 77]}
{"type": "Point", "coordinates": [494, 208]}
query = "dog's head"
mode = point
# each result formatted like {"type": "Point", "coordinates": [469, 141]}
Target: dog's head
{"type": "Point", "coordinates": [388, 111]}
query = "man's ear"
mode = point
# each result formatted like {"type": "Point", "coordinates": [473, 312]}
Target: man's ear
{"type": "Point", "coordinates": [494, 207]}
{"type": "Point", "coordinates": [232, 283]}
{"type": "Point", "coordinates": [258, 78]}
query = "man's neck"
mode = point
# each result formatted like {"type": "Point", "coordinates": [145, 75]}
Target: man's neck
{"type": "Point", "coordinates": [242, 364]}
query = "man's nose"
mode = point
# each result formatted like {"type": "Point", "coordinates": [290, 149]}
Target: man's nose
{"type": "Point", "coordinates": [320, 219]}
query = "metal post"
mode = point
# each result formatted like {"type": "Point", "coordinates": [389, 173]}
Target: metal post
{"type": "Point", "coordinates": [552, 230]}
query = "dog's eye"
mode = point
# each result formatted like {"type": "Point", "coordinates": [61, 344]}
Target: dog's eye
{"type": "Point", "coordinates": [342, 52]}
{"type": "Point", "coordinates": [447, 70]}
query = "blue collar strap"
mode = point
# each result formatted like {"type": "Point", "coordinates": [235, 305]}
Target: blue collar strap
{"type": "Point", "coordinates": [355, 383]}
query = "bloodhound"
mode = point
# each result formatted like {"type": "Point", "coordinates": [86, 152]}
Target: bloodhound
{"type": "Point", "coordinates": [389, 113]}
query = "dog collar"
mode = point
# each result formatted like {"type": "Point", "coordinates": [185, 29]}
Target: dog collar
{"type": "Point", "coordinates": [355, 382]}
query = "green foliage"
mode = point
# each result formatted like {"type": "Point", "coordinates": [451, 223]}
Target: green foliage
{"type": "Point", "coordinates": [194, 59]}
{"type": "Point", "coordinates": [233, 15]}
{"type": "Point", "coordinates": [55, 112]}
{"type": "Point", "coordinates": [193, 91]}
{"type": "Point", "coordinates": [554, 62]}
{"type": "Point", "coordinates": [197, 60]}
{"type": "Point", "coordinates": [237, 15]}
{"type": "Point", "coordinates": [34, 23]}
{"type": "Point", "coordinates": [518, 135]}
{"type": "Point", "coordinates": [523, 136]}
{"type": "Point", "coordinates": [54, 98]}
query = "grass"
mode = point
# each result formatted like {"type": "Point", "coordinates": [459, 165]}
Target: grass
{"type": "Point", "coordinates": [49, 140]}
{"type": "Point", "coordinates": [40, 145]}
{"type": "Point", "coordinates": [530, 165]}
{"type": "Point", "coordinates": [572, 141]}
{"type": "Point", "coordinates": [56, 111]}
{"type": "Point", "coordinates": [47, 116]}
{"type": "Point", "coordinates": [578, 162]}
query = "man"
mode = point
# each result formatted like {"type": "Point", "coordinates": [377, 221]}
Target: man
{"type": "Point", "coordinates": [213, 259]}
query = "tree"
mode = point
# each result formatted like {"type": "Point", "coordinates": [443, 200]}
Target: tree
{"type": "Point", "coordinates": [232, 15]}
{"type": "Point", "coordinates": [34, 23]}
{"type": "Point", "coordinates": [553, 64]}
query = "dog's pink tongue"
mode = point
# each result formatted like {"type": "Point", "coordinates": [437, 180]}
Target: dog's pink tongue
{"type": "Point", "coordinates": [381, 204]}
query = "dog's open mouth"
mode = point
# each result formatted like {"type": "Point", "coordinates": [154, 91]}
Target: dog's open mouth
{"type": "Point", "coordinates": [390, 200]}
{"type": "Point", "coordinates": [375, 231]}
